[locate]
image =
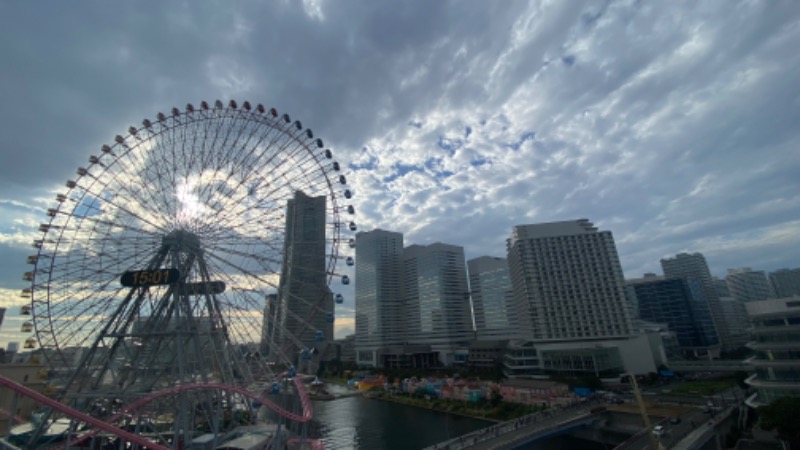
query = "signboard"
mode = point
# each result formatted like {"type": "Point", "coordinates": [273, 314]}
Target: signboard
{"type": "Point", "coordinates": [156, 277]}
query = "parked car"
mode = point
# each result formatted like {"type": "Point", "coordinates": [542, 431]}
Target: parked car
{"type": "Point", "coordinates": [659, 431]}
{"type": "Point", "coordinates": [674, 420]}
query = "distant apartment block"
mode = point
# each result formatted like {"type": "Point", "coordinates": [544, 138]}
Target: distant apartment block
{"type": "Point", "coordinates": [492, 298]}
{"type": "Point", "coordinates": [694, 265]}
{"type": "Point", "coordinates": [785, 282]}
{"type": "Point", "coordinates": [748, 285]}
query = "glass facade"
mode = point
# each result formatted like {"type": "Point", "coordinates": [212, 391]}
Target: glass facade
{"type": "Point", "coordinates": [437, 299]}
{"type": "Point", "coordinates": [492, 297]}
{"type": "Point", "coordinates": [380, 318]}
{"type": "Point", "coordinates": [681, 304]}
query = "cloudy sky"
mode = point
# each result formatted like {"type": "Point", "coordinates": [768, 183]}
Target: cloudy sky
{"type": "Point", "coordinates": [676, 125]}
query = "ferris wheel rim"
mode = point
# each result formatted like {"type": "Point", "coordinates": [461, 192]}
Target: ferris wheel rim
{"type": "Point", "coordinates": [46, 335]}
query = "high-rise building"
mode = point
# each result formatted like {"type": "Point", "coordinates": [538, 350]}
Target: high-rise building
{"type": "Point", "coordinates": [304, 300]}
{"type": "Point", "coordinates": [681, 304]}
{"type": "Point", "coordinates": [569, 278]}
{"type": "Point", "coordinates": [777, 349]}
{"type": "Point", "coordinates": [785, 282]}
{"type": "Point", "coordinates": [734, 313]}
{"type": "Point", "coordinates": [492, 298]}
{"type": "Point", "coordinates": [380, 311]}
{"type": "Point", "coordinates": [573, 305]}
{"type": "Point", "coordinates": [748, 285]}
{"type": "Point", "coordinates": [268, 325]}
{"type": "Point", "coordinates": [438, 311]}
{"type": "Point", "coordinates": [694, 265]}
{"type": "Point", "coordinates": [721, 286]}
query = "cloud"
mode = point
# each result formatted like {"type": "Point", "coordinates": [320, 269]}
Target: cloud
{"type": "Point", "coordinates": [672, 124]}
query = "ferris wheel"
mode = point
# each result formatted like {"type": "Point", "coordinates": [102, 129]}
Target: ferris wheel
{"type": "Point", "coordinates": [200, 249]}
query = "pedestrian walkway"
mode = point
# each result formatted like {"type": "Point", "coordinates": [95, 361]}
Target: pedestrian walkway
{"type": "Point", "coordinates": [506, 433]}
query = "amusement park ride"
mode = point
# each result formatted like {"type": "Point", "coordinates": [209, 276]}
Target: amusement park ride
{"type": "Point", "coordinates": [148, 288]}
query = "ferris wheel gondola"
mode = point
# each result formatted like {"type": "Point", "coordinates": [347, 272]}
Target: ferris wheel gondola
{"type": "Point", "coordinates": [177, 232]}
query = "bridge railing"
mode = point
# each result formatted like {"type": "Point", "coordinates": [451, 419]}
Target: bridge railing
{"type": "Point", "coordinates": [504, 428]}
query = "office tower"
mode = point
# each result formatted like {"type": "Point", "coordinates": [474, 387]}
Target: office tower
{"type": "Point", "coordinates": [694, 266]}
{"type": "Point", "coordinates": [777, 348]}
{"type": "Point", "coordinates": [438, 310]}
{"type": "Point", "coordinates": [748, 285]}
{"type": "Point", "coordinates": [492, 298]}
{"type": "Point", "coordinates": [380, 315]}
{"type": "Point", "coordinates": [681, 304]}
{"type": "Point", "coordinates": [785, 282]}
{"type": "Point", "coordinates": [304, 299]}
{"type": "Point", "coordinates": [568, 276]}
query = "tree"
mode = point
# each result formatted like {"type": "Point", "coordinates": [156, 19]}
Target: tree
{"type": "Point", "coordinates": [781, 415]}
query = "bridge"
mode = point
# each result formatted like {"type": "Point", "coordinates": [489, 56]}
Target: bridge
{"type": "Point", "coordinates": [527, 429]}
{"type": "Point", "coordinates": [612, 425]}
{"type": "Point", "coordinates": [717, 365]}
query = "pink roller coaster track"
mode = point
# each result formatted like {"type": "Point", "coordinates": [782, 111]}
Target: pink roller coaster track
{"type": "Point", "coordinates": [106, 425]}
{"type": "Point", "coordinates": [79, 415]}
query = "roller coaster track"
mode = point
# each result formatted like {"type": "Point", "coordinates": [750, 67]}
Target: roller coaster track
{"type": "Point", "coordinates": [107, 426]}
{"type": "Point", "coordinates": [77, 415]}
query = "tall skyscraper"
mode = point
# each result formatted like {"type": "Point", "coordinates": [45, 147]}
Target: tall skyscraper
{"type": "Point", "coordinates": [748, 285]}
{"type": "Point", "coordinates": [438, 310]}
{"type": "Point", "coordinates": [492, 298]}
{"type": "Point", "coordinates": [681, 304]}
{"type": "Point", "coordinates": [568, 282]}
{"type": "Point", "coordinates": [380, 312]}
{"type": "Point", "coordinates": [694, 266]}
{"type": "Point", "coordinates": [304, 299]}
{"type": "Point", "coordinates": [785, 282]}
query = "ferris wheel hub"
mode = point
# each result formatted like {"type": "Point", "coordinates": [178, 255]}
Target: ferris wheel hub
{"type": "Point", "coordinates": [181, 239]}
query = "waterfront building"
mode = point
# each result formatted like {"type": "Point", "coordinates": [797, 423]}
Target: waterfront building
{"type": "Point", "coordinates": [776, 342]}
{"type": "Point", "coordinates": [380, 311]}
{"type": "Point", "coordinates": [486, 355]}
{"type": "Point", "coordinates": [785, 282]}
{"type": "Point", "coordinates": [535, 392]}
{"type": "Point", "coordinates": [574, 308]}
{"type": "Point", "coordinates": [492, 298]}
{"type": "Point", "coordinates": [694, 265]}
{"type": "Point", "coordinates": [569, 277]}
{"type": "Point", "coordinates": [304, 299]}
{"type": "Point", "coordinates": [748, 285]}
{"type": "Point", "coordinates": [681, 304]}
{"type": "Point", "coordinates": [438, 310]}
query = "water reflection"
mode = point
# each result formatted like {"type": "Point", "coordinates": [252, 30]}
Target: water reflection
{"type": "Point", "coordinates": [361, 423]}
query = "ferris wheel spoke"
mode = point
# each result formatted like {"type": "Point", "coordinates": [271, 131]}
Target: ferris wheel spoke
{"type": "Point", "coordinates": [201, 195]}
{"type": "Point", "coordinates": [126, 179]}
